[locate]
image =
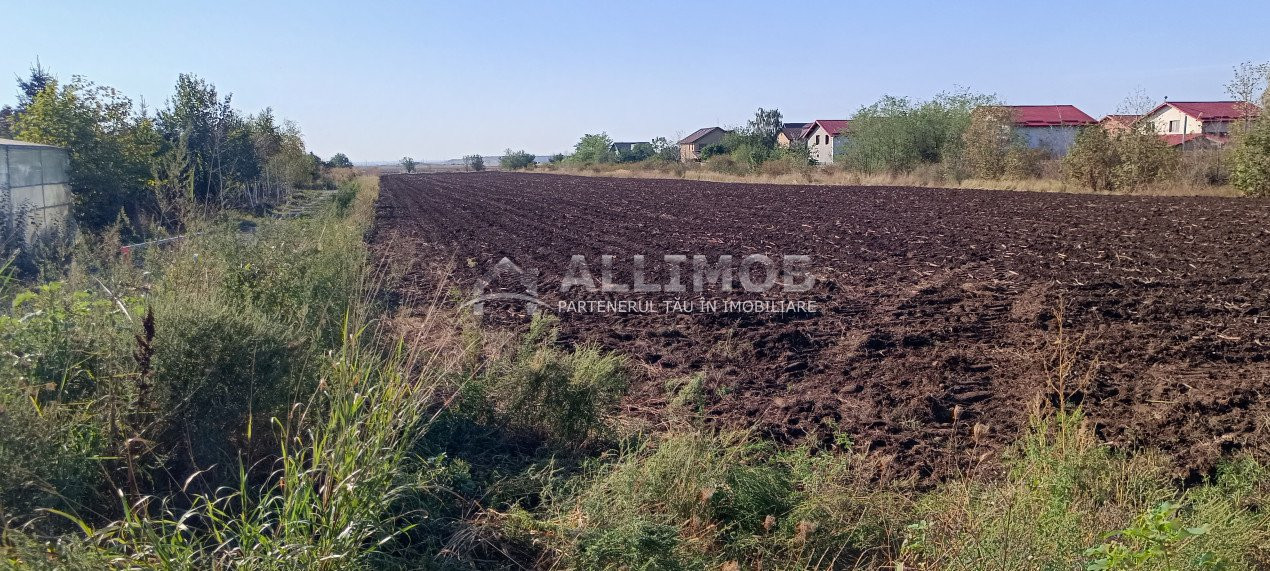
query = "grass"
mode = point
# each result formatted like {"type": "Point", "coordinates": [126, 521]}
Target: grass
{"type": "Point", "coordinates": [835, 176]}
{"type": "Point", "coordinates": [244, 400]}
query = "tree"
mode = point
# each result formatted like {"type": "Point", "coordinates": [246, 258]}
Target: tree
{"type": "Point", "coordinates": [474, 162]}
{"type": "Point", "coordinates": [1142, 158]}
{"type": "Point", "coordinates": [37, 79]}
{"type": "Point", "coordinates": [593, 149]}
{"type": "Point", "coordinates": [988, 140]}
{"type": "Point", "coordinates": [764, 127]}
{"type": "Point", "coordinates": [896, 134]}
{"type": "Point", "coordinates": [556, 158]}
{"type": "Point", "coordinates": [111, 148]}
{"type": "Point", "coordinates": [222, 144]}
{"type": "Point", "coordinates": [1091, 159]}
{"type": "Point", "coordinates": [408, 163]}
{"type": "Point", "coordinates": [1136, 103]}
{"type": "Point", "coordinates": [1250, 159]}
{"type": "Point", "coordinates": [1248, 86]}
{"type": "Point", "coordinates": [638, 152]}
{"type": "Point", "coordinates": [339, 161]}
{"type": "Point", "coordinates": [664, 150]}
{"type": "Point", "coordinates": [515, 160]}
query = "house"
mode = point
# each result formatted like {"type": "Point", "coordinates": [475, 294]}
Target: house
{"type": "Point", "coordinates": [690, 146]}
{"type": "Point", "coordinates": [826, 139]}
{"type": "Point", "coordinates": [35, 191]}
{"type": "Point", "coordinates": [1118, 123]}
{"type": "Point", "coordinates": [1195, 141]}
{"type": "Point", "coordinates": [619, 148]}
{"type": "Point", "coordinates": [1210, 118]}
{"type": "Point", "coordinates": [1049, 127]}
{"type": "Point", "coordinates": [790, 133]}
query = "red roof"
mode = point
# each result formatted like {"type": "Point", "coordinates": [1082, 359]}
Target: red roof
{"type": "Point", "coordinates": [1049, 115]}
{"type": "Point", "coordinates": [1178, 139]}
{"type": "Point", "coordinates": [1212, 110]}
{"type": "Point", "coordinates": [831, 126]}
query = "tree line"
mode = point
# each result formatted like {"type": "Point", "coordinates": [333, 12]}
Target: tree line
{"type": "Point", "coordinates": [126, 160]}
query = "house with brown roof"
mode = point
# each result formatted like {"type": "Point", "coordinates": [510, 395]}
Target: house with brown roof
{"type": "Point", "coordinates": [791, 133]}
{"type": "Point", "coordinates": [826, 139]}
{"type": "Point", "coordinates": [1118, 123]}
{"type": "Point", "coordinates": [1049, 127]}
{"type": "Point", "coordinates": [690, 146]}
{"type": "Point", "coordinates": [1207, 123]}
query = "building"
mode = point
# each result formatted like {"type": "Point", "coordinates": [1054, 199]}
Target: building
{"type": "Point", "coordinates": [791, 133]}
{"type": "Point", "coordinates": [35, 191]}
{"type": "Point", "coordinates": [1118, 123]}
{"type": "Point", "coordinates": [1211, 118]}
{"type": "Point", "coordinates": [690, 146]}
{"type": "Point", "coordinates": [618, 148]}
{"type": "Point", "coordinates": [826, 139]}
{"type": "Point", "coordinates": [1049, 127]}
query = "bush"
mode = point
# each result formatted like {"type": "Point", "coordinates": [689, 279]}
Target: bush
{"type": "Point", "coordinates": [514, 160]}
{"type": "Point", "coordinates": [1250, 160]}
{"type": "Point", "coordinates": [723, 164]}
{"type": "Point", "coordinates": [897, 134]}
{"type": "Point", "coordinates": [474, 162]}
{"type": "Point", "coordinates": [214, 365]}
{"type": "Point", "coordinates": [564, 396]}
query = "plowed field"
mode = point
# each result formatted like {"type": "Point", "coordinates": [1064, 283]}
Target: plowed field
{"type": "Point", "coordinates": [936, 310]}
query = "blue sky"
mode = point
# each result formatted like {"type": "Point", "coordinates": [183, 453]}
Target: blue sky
{"type": "Point", "coordinates": [437, 80]}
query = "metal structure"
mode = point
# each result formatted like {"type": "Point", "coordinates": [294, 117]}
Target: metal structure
{"type": "Point", "coordinates": [35, 191]}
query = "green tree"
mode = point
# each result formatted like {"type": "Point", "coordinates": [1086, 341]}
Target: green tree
{"type": "Point", "coordinates": [474, 162]}
{"type": "Point", "coordinates": [515, 160]}
{"type": "Point", "coordinates": [556, 158]}
{"type": "Point", "coordinates": [1091, 159]}
{"type": "Point", "coordinates": [664, 150]}
{"type": "Point", "coordinates": [988, 140]}
{"type": "Point", "coordinates": [897, 134]}
{"type": "Point", "coordinates": [764, 127]}
{"type": "Point", "coordinates": [1250, 160]}
{"type": "Point", "coordinates": [1143, 158]}
{"type": "Point", "coordinates": [222, 145]}
{"type": "Point", "coordinates": [638, 152]}
{"type": "Point", "coordinates": [593, 149]}
{"type": "Point", "coordinates": [408, 163]}
{"type": "Point", "coordinates": [339, 161]}
{"type": "Point", "coordinates": [111, 147]}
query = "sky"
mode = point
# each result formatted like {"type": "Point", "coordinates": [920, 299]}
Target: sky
{"type": "Point", "coordinates": [439, 80]}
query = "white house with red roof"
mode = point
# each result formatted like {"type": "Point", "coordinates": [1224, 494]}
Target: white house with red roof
{"type": "Point", "coordinates": [826, 139]}
{"type": "Point", "coordinates": [1050, 127]}
{"type": "Point", "coordinates": [1205, 122]}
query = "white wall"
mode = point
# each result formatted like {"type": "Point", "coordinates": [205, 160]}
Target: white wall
{"type": "Point", "coordinates": [1057, 140]}
{"type": "Point", "coordinates": [35, 194]}
{"type": "Point", "coordinates": [830, 147]}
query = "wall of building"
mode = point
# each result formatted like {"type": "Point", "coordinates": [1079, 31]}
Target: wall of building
{"type": "Point", "coordinates": [1185, 122]}
{"type": "Point", "coordinates": [827, 149]}
{"type": "Point", "coordinates": [1057, 140]}
{"type": "Point", "coordinates": [35, 193]}
{"type": "Point", "coordinates": [692, 152]}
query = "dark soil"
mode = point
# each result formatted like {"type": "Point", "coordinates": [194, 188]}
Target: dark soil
{"type": "Point", "coordinates": [937, 309]}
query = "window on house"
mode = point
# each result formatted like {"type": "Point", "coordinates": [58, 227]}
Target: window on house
{"type": "Point", "coordinates": [817, 139]}
{"type": "Point", "coordinates": [1175, 126]}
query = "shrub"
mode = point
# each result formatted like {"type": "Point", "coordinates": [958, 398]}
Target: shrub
{"type": "Point", "coordinates": [214, 365]}
{"type": "Point", "coordinates": [515, 160]}
{"type": "Point", "coordinates": [897, 134]}
{"type": "Point", "coordinates": [1250, 160]}
{"type": "Point", "coordinates": [723, 164]}
{"type": "Point", "coordinates": [1092, 159]}
{"type": "Point", "coordinates": [565, 396]}
{"type": "Point", "coordinates": [474, 162]}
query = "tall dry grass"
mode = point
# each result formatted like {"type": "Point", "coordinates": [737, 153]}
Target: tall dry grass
{"type": "Point", "coordinates": [926, 178]}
